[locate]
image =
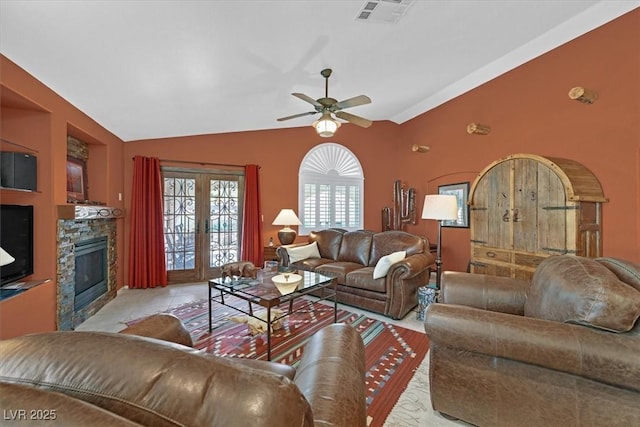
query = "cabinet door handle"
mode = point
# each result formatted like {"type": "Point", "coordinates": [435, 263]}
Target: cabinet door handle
{"type": "Point", "coordinates": [206, 226]}
{"type": "Point", "coordinates": [491, 254]}
{"type": "Point", "coordinates": [515, 216]}
{"type": "Point", "coordinates": [477, 264]}
{"type": "Point", "coordinates": [505, 217]}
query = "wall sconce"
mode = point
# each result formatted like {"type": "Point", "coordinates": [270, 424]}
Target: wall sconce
{"type": "Point", "coordinates": [420, 148]}
{"type": "Point", "coordinates": [478, 129]}
{"type": "Point", "coordinates": [586, 96]}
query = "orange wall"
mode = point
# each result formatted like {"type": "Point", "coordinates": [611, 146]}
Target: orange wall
{"type": "Point", "coordinates": [279, 153]}
{"type": "Point", "coordinates": [527, 108]}
{"type": "Point", "coordinates": [529, 111]}
{"type": "Point", "coordinates": [34, 116]}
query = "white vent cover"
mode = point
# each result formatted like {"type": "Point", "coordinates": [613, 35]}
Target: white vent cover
{"type": "Point", "coordinates": [389, 11]}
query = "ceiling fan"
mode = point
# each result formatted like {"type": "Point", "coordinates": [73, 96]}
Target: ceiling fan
{"type": "Point", "coordinates": [327, 125]}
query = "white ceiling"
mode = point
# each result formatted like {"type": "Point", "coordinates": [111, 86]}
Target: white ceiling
{"type": "Point", "coordinates": [153, 69]}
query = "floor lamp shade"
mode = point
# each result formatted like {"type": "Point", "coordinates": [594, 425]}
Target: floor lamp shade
{"type": "Point", "coordinates": [286, 217]}
{"type": "Point", "coordinates": [439, 207]}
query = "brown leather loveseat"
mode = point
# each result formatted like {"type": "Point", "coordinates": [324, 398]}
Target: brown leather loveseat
{"type": "Point", "coordinates": [106, 379]}
{"type": "Point", "coordinates": [562, 350]}
{"type": "Point", "coordinates": [353, 257]}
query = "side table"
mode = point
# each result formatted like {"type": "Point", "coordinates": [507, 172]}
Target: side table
{"type": "Point", "coordinates": [270, 253]}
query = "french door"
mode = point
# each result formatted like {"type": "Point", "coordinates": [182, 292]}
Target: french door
{"type": "Point", "coordinates": [202, 222]}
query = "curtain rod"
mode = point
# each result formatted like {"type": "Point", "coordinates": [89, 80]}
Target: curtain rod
{"type": "Point", "coordinates": [200, 163]}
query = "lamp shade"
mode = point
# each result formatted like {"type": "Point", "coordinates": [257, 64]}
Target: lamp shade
{"type": "Point", "coordinates": [440, 207]}
{"type": "Point", "coordinates": [5, 258]}
{"type": "Point", "coordinates": [286, 217]}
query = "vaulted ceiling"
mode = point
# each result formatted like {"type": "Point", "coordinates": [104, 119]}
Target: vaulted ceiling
{"type": "Point", "coordinates": [154, 69]}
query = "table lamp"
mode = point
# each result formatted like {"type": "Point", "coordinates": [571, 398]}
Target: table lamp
{"type": "Point", "coordinates": [440, 207]}
{"type": "Point", "coordinates": [286, 217]}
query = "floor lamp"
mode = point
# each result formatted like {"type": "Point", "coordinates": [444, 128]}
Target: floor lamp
{"type": "Point", "coordinates": [440, 207]}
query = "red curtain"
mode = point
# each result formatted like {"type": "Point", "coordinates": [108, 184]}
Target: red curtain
{"type": "Point", "coordinates": [251, 246]}
{"type": "Point", "coordinates": [147, 267]}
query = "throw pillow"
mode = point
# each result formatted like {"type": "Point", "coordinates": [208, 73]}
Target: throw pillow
{"type": "Point", "coordinates": [384, 264]}
{"type": "Point", "coordinates": [579, 290]}
{"type": "Point", "coordinates": [298, 253]}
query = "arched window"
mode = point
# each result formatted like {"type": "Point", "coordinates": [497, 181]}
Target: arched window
{"type": "Point", "coordinates": [331, 189]}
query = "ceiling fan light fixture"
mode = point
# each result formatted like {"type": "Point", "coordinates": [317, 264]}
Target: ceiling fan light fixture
{"type": "Point", "coordinates": [326, 126]}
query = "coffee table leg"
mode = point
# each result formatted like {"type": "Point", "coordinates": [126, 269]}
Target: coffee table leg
{"type": "Point", "coordinates": [210, 325]}
{"type": "Point", "coordinates": [268, 333]}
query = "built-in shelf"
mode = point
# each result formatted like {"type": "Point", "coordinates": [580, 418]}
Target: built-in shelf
{"type": "Point", "coordinates": [11, 290]}
{"type": "Point", "coordinates": [31, 150]}
{"type": "Point", "coordinates": [21, 190]}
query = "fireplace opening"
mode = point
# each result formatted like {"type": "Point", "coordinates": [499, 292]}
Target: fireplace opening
{"type": "Point", "coordinates": [91, 275]}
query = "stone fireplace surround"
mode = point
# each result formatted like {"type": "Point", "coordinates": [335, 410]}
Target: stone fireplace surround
{"type": "Point", "coordinates": [69, 232]}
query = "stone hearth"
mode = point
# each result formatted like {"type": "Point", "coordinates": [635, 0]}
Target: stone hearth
{"type": "Point", "coordinates": [69, 233]}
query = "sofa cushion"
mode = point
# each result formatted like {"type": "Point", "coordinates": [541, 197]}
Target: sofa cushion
{"type": "Point", "coordinates": [339, 270]}
{"type": "Point", "coordinates": [627, 271]}
{"type": "Point", "coordinates": [362, 278]}
{"type": "Point", "coordinates": [164, 385]}
{"type": "Point", "coordinates": [355, 247]}
{"type": "Point", "coordinates": [392, 241]}
{"type": "Point", "coordinates": [310, 264]}
{"type": "Point", "coordinates": [328, 242]}
{"type": "Point", "coordinates": [382, 267]}
{"type": "Point", "coordinates": [580, 290]}
{"type": "Point", "coordinates": [298, 253]}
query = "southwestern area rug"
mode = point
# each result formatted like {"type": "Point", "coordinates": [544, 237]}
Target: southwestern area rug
{"type": "Point", "coordinates": [392, 353]}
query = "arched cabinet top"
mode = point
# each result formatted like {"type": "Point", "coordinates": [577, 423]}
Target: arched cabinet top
{"type": "Point", "coordinates": [580, 184]}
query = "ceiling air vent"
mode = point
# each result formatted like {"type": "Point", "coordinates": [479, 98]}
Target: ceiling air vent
{"type": "Point", "coordinates": [389, 11]}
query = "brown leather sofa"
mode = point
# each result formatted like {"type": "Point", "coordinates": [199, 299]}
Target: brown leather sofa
{"type": "Point", "coordinates": [562, 350]}
{"type": "Point", "coordinates": [105, 379]}
{"type": "Point", "coordinates": [351, 257]}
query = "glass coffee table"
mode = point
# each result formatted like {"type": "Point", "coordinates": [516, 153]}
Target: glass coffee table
{"type": "Point", "coordinates": [262, 292]}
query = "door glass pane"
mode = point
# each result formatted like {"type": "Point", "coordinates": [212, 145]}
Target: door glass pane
{"type": "Point", "coordinates": [179, 223]}
{"type": "Point", "coordinates": [224, 232]}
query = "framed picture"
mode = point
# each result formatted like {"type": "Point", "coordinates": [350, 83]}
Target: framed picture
{"type": "Point", "coordinates": [461, 191]}
{"type": "Point", "coordinates": [76, 180]}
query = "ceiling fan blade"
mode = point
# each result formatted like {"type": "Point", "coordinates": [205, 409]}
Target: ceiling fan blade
{"type": "Point", "coordinates": [352, 102]}
{"type": "Point", "coordinates": [352, 118]}
{"type": "Point", "coordinates": [281, 119]}
{"type": "Point", "coordinates": [308, 99]}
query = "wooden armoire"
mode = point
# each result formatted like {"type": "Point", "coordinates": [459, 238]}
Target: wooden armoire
{"type": "Point", "coordinates": [525, 207]}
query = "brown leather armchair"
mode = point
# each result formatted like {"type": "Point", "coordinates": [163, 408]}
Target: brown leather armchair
{"type": "Point", "coordinates": [104, 379]}
{"type": "Point", "coordinates": [563, 350]}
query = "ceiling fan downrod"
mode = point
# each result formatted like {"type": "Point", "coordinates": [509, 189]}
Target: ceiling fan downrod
{"type": "Point", "coordinates": [326, 73]}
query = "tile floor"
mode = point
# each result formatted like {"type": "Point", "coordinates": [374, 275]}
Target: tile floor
{"type": "Point", "coordinates": [132, 304]}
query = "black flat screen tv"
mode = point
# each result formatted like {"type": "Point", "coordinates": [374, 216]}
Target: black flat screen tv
{"type": "Point", "coordinates": [16, 239]}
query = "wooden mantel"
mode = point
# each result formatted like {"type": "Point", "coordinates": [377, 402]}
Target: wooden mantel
{"type": "Point", "coordinates": [80, 212]}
